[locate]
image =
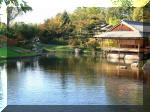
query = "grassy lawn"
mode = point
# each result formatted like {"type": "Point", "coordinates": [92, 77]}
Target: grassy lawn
{"type": "Point", "coordinates": [61, 48]}
{"type": "Point", "coordinates": [11, 52]}
{"type": "Point", "coordinates": [64, 48]}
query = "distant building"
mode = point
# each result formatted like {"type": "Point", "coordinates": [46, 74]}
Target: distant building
{"type": "Point", "coordinates": [131, 37]}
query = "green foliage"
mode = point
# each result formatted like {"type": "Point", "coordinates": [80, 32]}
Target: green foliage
{"type": "Point", "coordinates": [65, 18]}
{"type": "Point", "coordinates": [86, 19]}
{"type": "Point", "coordinates": [29, 31]}
{"type": "Point", "coordinates": [13, 12]}
{"type": "Point", "coordinates": [115, 14]}
{"type": "Point", "coordinates": [14, 3]}
{"type": "Point", "coordinates": [3, 28]}
{"type": "Point", "coordinates": [138, 14]}
{"type": "Point", "coordinates": [122, 3]}
{"type": "Point", "coordinates": [123, 10]}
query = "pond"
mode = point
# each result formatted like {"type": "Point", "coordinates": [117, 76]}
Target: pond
{"type": "Point", "coordinates": [3, 86]}
{"type": "Point", "coordinates": [59, 79]}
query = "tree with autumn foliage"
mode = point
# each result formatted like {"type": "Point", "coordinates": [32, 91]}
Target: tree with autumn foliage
{"type": "Point", "coordinates": [56, 28]}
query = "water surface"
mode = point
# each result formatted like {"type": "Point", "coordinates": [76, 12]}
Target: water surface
{"type": "Point", "coordinates": [3, 86]}
{"type": "Point", "coordinates": [73, 80]}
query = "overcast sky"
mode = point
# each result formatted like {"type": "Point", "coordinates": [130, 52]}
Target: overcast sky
{"type": "Point", "coordinates": [43, 9]}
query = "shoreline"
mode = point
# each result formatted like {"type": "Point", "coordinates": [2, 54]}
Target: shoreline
{"type": "Point", "coordinates": [18, 57]}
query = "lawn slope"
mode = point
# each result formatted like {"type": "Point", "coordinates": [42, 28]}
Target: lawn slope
{"type": "Point", "coordinates": [14, 52]}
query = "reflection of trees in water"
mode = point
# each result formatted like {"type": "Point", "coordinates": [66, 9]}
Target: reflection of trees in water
{"type": "Point", "coordinates": [120, 85]}
{"type": "Point", "coordinates": [20, 65]}
{"type": "Point", "coordinates": [87, 68]}
{"type": "Point", "coordinates": [92, 71]}
{"type": "Point", "coordinates": [80, 68]}
{"type": "Point", "coordinates": [146, 89]}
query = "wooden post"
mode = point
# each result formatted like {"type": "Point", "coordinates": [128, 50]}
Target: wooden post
{"type": "Point", "coordinates": [138, 73]}
{"type": "Point", "coordinates": [102, 43]}
{"type": "Point", "coordinates": [139, 48]}
{"type": "Point", "coordinates": [102, 47]}
{"type": "Point", "coordinates": [119, 49]}
{"type": "Point", "coordinates": [135, 44]}
{"type": "Point", "coordinates": [107, 46]}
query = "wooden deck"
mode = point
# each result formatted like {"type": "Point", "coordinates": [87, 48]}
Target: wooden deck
{"type": "Point", "coordinates": [146, 50]}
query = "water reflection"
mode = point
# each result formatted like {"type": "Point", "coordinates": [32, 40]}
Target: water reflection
{"type": "Point", "coordinates": [69, 80]}
{"type": "Point", "coordinates": [3, 86]}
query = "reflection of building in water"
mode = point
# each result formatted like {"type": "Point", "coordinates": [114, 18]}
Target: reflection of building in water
{"type": "Point", "coordinates": [3, 87]}
{"type": "Point", "coordinates": [123, 86]}
{"type": "Point", "coordinates": [112, 69]}
{"type": "Point", "coordinates": [124, 91]}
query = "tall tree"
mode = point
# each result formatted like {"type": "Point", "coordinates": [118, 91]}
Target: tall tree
{"type": "Point", "coordinates": [17, 3]}
{"type": "Point", "coordinates": [123, 10]}
{"type": "Point", "coordinates": [13, 12]}
{"type": "Point", "coordinates": [65, 18]}
{"type": "Point", "coordinates": [86, 19]}
{"type": "Point", "coordinates": [15, 8]}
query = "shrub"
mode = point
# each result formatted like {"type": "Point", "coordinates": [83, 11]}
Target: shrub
{"type": "Point", "coordinates": [92, 44]}
{"type": "Point", "coordinates": [74, 42]}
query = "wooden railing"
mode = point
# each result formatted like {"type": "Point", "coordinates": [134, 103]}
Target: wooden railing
{"type": "Point", "coordinates": [122, 49]}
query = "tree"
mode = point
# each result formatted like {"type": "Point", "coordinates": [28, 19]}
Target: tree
{"type": "Point", "coordinates": [138, 14]}
{"type": "Point", "coordinates": [15, 8]}
{"type": "Point", "coordinates": [86, 19]}
{"type": "Point", "coordinates": [13, 3]}
{"type": "Point", "coordinates": [122, 3]}
{"type": "Point", "coordinates": [65, 18]}
{"type": "Point", "coordinates": [123, 10]}
{"type": "Point", "coordinates": [59, 27]}
{"type": "Point", "coordinates": [28, 31]}
{"type": "Point", "coordinates": [13, 12]}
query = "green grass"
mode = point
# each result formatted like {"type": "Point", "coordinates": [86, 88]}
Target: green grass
{"type": "Point", "coordinates": [3, 61]}
{"type": "Point", "coordinates": [60, 48]}
{"type": "Point", "coordinates": [64, 48]}
{"type": "Point", "coordinates": [12, 52]}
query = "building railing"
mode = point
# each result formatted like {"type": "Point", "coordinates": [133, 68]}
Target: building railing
{"type": "Point", "coordinates": [109, 49]}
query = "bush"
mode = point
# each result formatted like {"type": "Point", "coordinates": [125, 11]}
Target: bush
{"type": "Point", "coordinates": [55, 41]}
{"type": "Point", "coordinates": [74, 42]}
{"type": "Point", "coordinates": [92, 44]}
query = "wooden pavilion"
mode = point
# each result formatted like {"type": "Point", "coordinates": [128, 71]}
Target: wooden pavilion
{"type": "Point", "coordinates": [132, 40]}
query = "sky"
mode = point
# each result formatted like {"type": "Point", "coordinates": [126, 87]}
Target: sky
{"type": "Point", "coordinates": [44, 9]}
